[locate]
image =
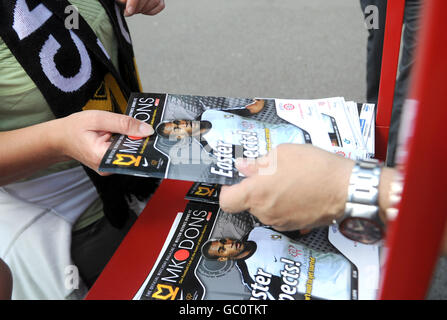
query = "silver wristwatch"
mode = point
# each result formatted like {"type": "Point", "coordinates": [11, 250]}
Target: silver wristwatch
{"type": "Point", "coordinates": [361, 221]}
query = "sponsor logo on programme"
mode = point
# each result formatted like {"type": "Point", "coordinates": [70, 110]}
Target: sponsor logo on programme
{"type": "Point", "coordinates": [288, 106]}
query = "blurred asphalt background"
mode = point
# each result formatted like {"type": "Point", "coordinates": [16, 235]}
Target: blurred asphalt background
{"type": "Point", "coordinates": [246, 48]}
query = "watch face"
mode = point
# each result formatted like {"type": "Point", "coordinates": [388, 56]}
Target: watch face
{"type": "Point", "coordinates": [361, 230]}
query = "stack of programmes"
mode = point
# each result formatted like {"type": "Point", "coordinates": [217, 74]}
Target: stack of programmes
{"type": "Point", "coordinates": [198, 138]}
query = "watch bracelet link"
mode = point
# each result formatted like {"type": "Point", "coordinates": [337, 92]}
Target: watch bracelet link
{"type": "Point", "coordinates": [363, 191]}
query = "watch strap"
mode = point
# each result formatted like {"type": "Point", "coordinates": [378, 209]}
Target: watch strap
{"type": "Point", "coordinates": [363, 191]}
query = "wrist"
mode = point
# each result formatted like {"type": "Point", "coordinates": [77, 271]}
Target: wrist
{"type": "Point", "coordinates": [341, 191]}
{"type": "Point", "coordinates": [56, 142]}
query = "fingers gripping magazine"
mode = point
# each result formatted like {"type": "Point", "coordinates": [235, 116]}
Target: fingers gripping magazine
{"type": "Point", "coordinates": [198, 138]}
{"type": "Point", "coordinates": [212, 255]}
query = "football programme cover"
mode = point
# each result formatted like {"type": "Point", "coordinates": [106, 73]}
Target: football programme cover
{"type": "Point", "coordinates": [213, 255]}
{"type": "Point", "coordinates": [198, 138]}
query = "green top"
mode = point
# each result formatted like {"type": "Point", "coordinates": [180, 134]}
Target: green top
{"type": "Point", "coordinates": [22, 104]}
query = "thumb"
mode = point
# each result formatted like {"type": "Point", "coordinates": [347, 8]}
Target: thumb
{"type": "Point", "coordinates": [250, 167]}
{"type": "Point", "coordinates": [247, 166]}
{"type": "Point", "coordinates": [118, 123]}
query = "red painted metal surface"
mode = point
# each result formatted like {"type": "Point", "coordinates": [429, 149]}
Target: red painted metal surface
{"type": "Point", "coordinates": [390, 59]}
{"type": "Point", "coordinates": [414, 238]}
{"type": "Point", "coordinates": [133, 260]}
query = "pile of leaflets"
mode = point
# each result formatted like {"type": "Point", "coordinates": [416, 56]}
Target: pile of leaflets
{"type": "Point", "coordinates": [198, 138]}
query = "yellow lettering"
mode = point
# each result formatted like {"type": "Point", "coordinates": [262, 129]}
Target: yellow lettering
{"type": "Point", "coordinates": [108, 97]}
{"type": "Point", "coordinates": [267, 139]}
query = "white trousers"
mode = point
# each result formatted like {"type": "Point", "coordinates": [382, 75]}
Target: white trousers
{"type": "Point", "coordinates": [36, 220]}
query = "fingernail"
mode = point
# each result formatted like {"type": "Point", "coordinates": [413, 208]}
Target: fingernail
{"type": "Point", "coordinates": [145, 129]}
{"type": "Point", "coordinates": [129, 11]}
{"type": "Point", "coordinates": [240, 162]}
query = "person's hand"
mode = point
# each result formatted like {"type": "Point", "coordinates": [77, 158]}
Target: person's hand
{"type": "Point", "coordinates": [85, 136]}
{"type": "Point", "coordinates": [294, 187]}
{"type": "Point", "coordinates": [148, 7]}
{"type": "Point", "coordinates": [5, 281]}
{"type": "Point", "coordinates": [256, 106]}
{"type": "Point", "coordinates": [444, 242]}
